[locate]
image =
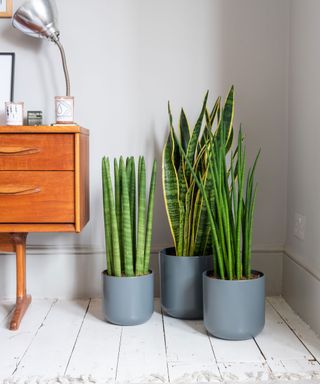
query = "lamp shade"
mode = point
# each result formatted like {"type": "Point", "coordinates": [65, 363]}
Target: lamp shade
{"type": "Point", "coordinates": [37, 18]}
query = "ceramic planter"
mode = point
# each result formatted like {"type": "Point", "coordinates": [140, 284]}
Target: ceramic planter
{"type": "Point", "coordinates": [127, 300]}
{"type": "Point", "coordinates": [234, 309]}
{"type": "Point", "coordinates": [181, 283]}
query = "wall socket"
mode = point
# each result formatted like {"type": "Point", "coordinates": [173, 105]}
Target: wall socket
{"type": "Point", "coordinates": [299, 226]}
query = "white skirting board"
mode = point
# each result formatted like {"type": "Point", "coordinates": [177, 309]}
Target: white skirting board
{"type": "Point", "coordinates": [301, 289]}
{"type": "Point", "coordinates": [75, 272]}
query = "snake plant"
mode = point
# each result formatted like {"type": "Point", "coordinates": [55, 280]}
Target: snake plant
{"type": "Point", "coordinates": [127, 237]}
{"type": "Point", "coordinates": [185, 205]}
{"type": "Point", "coordinates": [231, 211]}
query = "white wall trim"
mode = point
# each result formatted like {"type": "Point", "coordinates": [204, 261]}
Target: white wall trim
{"type": "Point", "coordinates": [66, 249]}
{"type": "Point", "coordinates": [256, 249]}
{"type": "Point", "coordinates": [301, 289]}
{"type": "Point", "coordinates": [75, 271]}
{"type": "Point", "coordinates": [88, 249]}
{"type": "Point", "coordinates": [291, 254]}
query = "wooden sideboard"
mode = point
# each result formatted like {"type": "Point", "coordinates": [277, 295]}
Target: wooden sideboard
{"type": "Point", "coordinates": [44, 187]}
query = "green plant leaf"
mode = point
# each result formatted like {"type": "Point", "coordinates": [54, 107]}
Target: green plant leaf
{"type": "Point", "coordinates": [116, 257]}
{"type": "Point", "coordinates": [126, 222]}
{"type": "Point", "coordinates": [107, 217]}
{"type": "Point", "coordinates": [186, 222]}
{"type": "Point", "coordinates": [176, 158]}
{"type": "Point", "coordinates": [193, 142]}
{"type": "Point", "coordinates": [201, 224]}
{"type": "Point", "coordinates": [141, 216]}
{"type": "Point", "coordinates": [131, 178]}
{"type": "Point", "coordinates": [147, 250]}
{"type": "Point", "coordinates": [184, 130]}
{"type": "Point", "coordinates": [171, 188]}
{"type": "Point", "coordinates": [226, 120]}
{"type": "Point", "coordinates": [117, 189]}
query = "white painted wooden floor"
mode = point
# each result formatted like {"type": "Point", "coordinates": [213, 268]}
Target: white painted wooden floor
{"type": "Point", "coordinates": [70, 338]}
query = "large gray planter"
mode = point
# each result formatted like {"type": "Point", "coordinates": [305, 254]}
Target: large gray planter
{"type": "Point", "coordinates": [181, 283]}
{"type": "Point", "coordinates": [234, 309]}
{"type": "Point", "coordinates": [127, 300]}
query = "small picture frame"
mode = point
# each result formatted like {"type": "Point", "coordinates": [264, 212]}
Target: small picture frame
{"type": "Point", "coordinates": [7, 60]}
{"type": "Point", "coordinates": [5, 8]}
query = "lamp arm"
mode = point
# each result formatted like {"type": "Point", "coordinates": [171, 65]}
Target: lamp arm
{"type": "Point", "coordinates": [65, 67]}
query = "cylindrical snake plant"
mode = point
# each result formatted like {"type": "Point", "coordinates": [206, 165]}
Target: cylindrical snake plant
{"type": "Point", "coordinates": [185, 205]}
{"type": "Point", "coordinates": [231, 211]}
{"type": "Point", "coordinates": [127, 233]}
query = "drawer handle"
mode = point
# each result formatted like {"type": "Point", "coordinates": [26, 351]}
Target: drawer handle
{"type": "Point", "coordinates": [14, 190]}
{"type": "Point", "coordinates": [9, 151]}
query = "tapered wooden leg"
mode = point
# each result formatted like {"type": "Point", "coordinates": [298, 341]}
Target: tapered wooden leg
{"type": "Point", "coordinates": [23, 300]}
{"type": "Point", "coordinates": [16, 242]}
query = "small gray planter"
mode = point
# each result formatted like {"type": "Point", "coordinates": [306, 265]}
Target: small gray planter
{"type": "Point", "coordinates": [181, 283]}
{"type": "Point", "coordinates": [234, 309]}
{"type": "Point", "coordinates": [127, 300]}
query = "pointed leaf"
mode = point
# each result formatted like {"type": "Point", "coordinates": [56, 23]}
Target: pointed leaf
{"type": "Point", "coordinates": [171, 188]}
{"type": "Point", "coordinates": [184, 130]}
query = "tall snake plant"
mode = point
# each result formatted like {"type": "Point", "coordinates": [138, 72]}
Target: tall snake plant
{"type": "Point", "coordinates": [231, 211]}
{"type": "Point", "coordinates": [185, 205]}
{"type": "Point", "coordinates": [127, 237]}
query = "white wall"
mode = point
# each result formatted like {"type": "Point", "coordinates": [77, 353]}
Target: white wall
{"type": "Point", "coordinates": [302, 263]}
{"type": "Point", "coordinates": [127, 59]}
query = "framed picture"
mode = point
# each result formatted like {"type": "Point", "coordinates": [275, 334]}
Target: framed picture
{"type": "Point", "coordinates": [5, 8]}
{"type": "Point", "coordinates": [6, 81]}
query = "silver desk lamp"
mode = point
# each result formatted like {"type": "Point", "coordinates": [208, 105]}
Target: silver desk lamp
{"type": "Point", "coordinates": [38, 18]}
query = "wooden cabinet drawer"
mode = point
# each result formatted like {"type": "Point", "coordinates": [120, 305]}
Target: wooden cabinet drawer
{"type": "Point", "coordinates": [37, 197]}
{"type": "Point", "coordinates": [30, 151]}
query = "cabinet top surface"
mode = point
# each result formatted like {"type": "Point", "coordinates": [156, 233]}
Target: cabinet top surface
{"type": "Point", "coordinates": [43, 129]}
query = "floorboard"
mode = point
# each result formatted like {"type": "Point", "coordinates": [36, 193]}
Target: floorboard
{"type": "Point", "coordinates": [142, 357]}
{"type": "Point", "coordinates": [240, 360]}
{"type": "Point", "coordinates": [6, 307]}
{"type": "Point", "coordinates": [294, 369]}
{"type": "Point", "coordinates": [243, 351]}
{"type": "Point", "coordinates": [59, 337]}
{"type": "Point", "coordinates": [14, 345]}
{"type": "Point", "coordinates": [278, 342]}
{"type": "Point", "coordinates": [50, 351]}
{"type": "Point", "coordinates": [189, 353]}
{"type": "Point", "coordinates": [244, 371]}
{"type": "Point", "coordinates": [298, 326]}
{"type": "Point", "coordinates": [97, 346]}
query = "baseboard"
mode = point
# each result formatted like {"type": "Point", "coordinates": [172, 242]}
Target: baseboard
{"type": "Point", "coordinates": [75, 271]}
{"type": "Point", "coordinates": [301, 289]}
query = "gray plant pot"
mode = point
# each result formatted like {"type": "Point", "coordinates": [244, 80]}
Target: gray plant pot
{"type": "Point", "coordinates": [181, 283]}
{"type": "Point", "coordinates": [127, 300]}
{"type": "Point", "coordinates": [234, 309]}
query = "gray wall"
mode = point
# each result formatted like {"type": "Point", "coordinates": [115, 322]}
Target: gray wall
{"type": "Point", "coordinates": [127, 59]}
{"type": "Point", "coordinates": [302, 260]}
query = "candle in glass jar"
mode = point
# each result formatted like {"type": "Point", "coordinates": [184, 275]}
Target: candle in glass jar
{"type": "Point", "coordinates": [64, 109]}
{"type": "Point", "coordinates": [14, 113]}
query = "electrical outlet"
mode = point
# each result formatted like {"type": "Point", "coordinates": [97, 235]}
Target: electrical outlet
{"type": "Point", "coordinates": [299, 226]}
